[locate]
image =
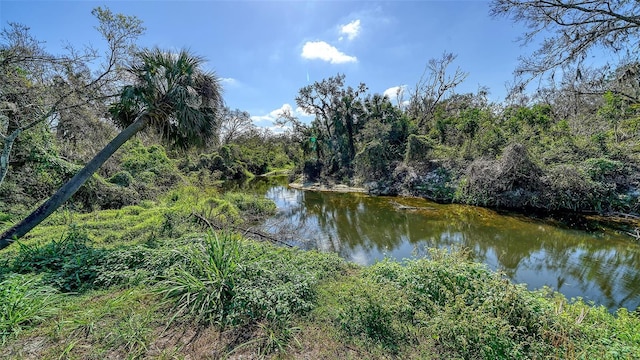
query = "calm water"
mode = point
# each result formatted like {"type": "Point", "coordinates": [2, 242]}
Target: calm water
{"type": "Point", "coordinates": [602, 266]}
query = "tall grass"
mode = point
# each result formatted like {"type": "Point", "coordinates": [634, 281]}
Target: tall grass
{"type": "Point", "coordinates": [24, 302]}
{"type": "Point", "coordinates": [204, 283]}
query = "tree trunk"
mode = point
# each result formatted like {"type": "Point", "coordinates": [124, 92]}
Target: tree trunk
{"type": "Point", "coordinates": [6, 151]}
{"type": "Point", "coordinates": [70, 188]}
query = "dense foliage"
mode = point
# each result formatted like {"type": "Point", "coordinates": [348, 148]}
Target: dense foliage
{"type": "Point", "coordinates": [465, 149]}
{"type": "Point", "coordinates": [173, 290]}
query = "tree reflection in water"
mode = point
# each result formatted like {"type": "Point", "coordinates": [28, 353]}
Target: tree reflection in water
{"type": "Point", "coordinates": [603, 267]}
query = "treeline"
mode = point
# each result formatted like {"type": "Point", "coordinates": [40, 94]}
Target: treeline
{"type": "Point", "coordinates": [573, 144]}
{"type": "Point", "coordinates": [560, 149]}
{"type": "Point", "coordinates": [44, 158]}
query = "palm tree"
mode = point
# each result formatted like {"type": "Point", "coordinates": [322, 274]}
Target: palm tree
{"type": "Point", "coordinates": [170, 93]}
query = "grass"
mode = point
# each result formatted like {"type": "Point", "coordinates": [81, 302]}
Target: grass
{"type": "Point", "coordinates": [24, 303]}
{"type": "Point", "coordinates": [172, 291]}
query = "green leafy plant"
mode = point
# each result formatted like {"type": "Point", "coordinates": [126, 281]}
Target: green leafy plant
{"type": "Point", "coordinates": [273, 336]}
{"type": "Point", "coordinates": [69, 263]}
{"type": "Point", "coordinates": [204, 284]}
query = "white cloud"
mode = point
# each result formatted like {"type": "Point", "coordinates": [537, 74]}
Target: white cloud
{"type": "Point", "coordinates": [269, 119]}
{"type": "Point", "coordinates": [352, 29]}
{"type": "Point", "coordinates": [323, 51]}
{"type": "Point", "coordinates": [396, 92]}
{"type": "Point", "coordinates": [231, 82]}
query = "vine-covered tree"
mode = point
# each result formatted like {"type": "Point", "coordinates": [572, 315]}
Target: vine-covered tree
{"type": "Point", "coordinates": [171, 93]}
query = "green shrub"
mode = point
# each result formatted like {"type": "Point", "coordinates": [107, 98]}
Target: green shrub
{"type": "Point", "coordinates": [73, 264]}
{"type": "Point", "coordinates": [122, 178]}
{"type": "Point", "coordinates": [229, 282]}
{"type": "Point", "coordinates": [139, 159]}
{"type": "Point", "coordinates": [570, 187]}
{"type": "Point", "coordinates": [221, 211]}
{"type": "Point", "coordinates": [132, 265]}
{"type": "Point", "coordinates": [458, 308]}
{"type": "Point", "coordinates": [251, 205]}
{"type": "Point", "coordinates": [418, 148]}
{"type": "Point", "coordinates": [373, 313]}
{"type": "Point", "coordinates": [5, 217]}
{"type": "Point", "coordinates": [204, 285]}
{"type": "Point", "coordinates": [602, 169]}
{"type": "Point", "coordinates": [69, 264]}
{"type": "Point", "coordinates": [268, 289]}
{"type": "Point", "coordinates": [100, 194]}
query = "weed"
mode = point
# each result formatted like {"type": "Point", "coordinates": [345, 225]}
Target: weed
{"type": "Point", "coordinates": [69, 263]}
{"type": "Point", "coordinates": [274, 336]}
{"type": "Point", "coordinates": [133, 334]}
{"type": "Point", "coordinates": [24, 302]}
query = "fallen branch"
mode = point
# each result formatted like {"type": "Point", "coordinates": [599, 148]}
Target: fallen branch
{"type": "Point", "coordinates": [635, 234]}
{"type": "Point", "coordinates": [623, 215]}
{"type": "Point", "coordinates": [255, 234]}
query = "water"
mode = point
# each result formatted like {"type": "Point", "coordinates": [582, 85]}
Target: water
{"type": "Point", "coordinates": [602, 266]}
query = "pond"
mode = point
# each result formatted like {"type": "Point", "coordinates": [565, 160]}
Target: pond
{"type": "Point", "coordinates": [601, 265]}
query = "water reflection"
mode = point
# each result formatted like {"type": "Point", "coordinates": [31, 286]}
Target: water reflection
{"type": "Point", "coordinates": [602, 267]}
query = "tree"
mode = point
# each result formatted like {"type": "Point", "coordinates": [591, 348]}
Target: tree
{"type": "Point", "coordinates": [234, 123]}
{"type": "Point", "coordinates": [337, 118]}
{"type": "Point", "coordinates": [577, 27]}
{"type": "Point", "coordinates": [431, 89]}
{"type": "Point", "coordinates": [383, 139]}
{"type": "Point", "coordinates": [172, 94]}
{"type": "Point", "coordinates": [614, 110]}
{"type": "Point", "coordinates": [35, 86]}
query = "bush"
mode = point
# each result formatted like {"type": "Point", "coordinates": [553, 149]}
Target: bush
{"type": "Point", "coordinates": [100, 194]}
{"type": "Point", "coordinates": [73, 264]}
{"type": "Point", "coordinates": [122, 178]}
{"type": "Point", "coordinates": [251, 205]}
{"type": "Point", "coordinates": [229, 282]}
{"type": "Point", "coordinates": [418, 148]}
{"type": "Point", "coordinates": [373, 313]}
{"type": "Point", "coordinates": [512, 181]}
{"type": "Point", "coordinates": [204, 285]}
{"type": "Point", "coordinates": [461, 308]}
{"type": "Point", "coordinates": [602, 169]}
{"type": "Point", "coordinates": [570, 187]}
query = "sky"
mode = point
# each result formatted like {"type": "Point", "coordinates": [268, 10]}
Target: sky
{"type": "Point", "coordinates": [265, 51]}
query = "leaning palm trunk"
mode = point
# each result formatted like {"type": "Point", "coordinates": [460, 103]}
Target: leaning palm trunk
{"type": "Point", "coordinates": [72, 186]}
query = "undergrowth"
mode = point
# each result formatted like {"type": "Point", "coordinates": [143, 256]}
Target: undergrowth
{"type": "Point", "coordinates": [172, 288]}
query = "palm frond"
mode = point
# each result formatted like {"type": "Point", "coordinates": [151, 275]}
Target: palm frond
{"type": "Point", "coordinates": [177, 96]}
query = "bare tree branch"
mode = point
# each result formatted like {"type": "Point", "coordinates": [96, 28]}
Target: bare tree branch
{"type": "Point", "coordinates": [577, 28]}
{"type": "Point", "coordinates": [434, 84]}
{"type": "Point", "coordinates": [35, 85]}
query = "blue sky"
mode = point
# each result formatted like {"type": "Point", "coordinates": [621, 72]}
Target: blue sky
{"type": "Point", "coordinates": [267, 50]}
